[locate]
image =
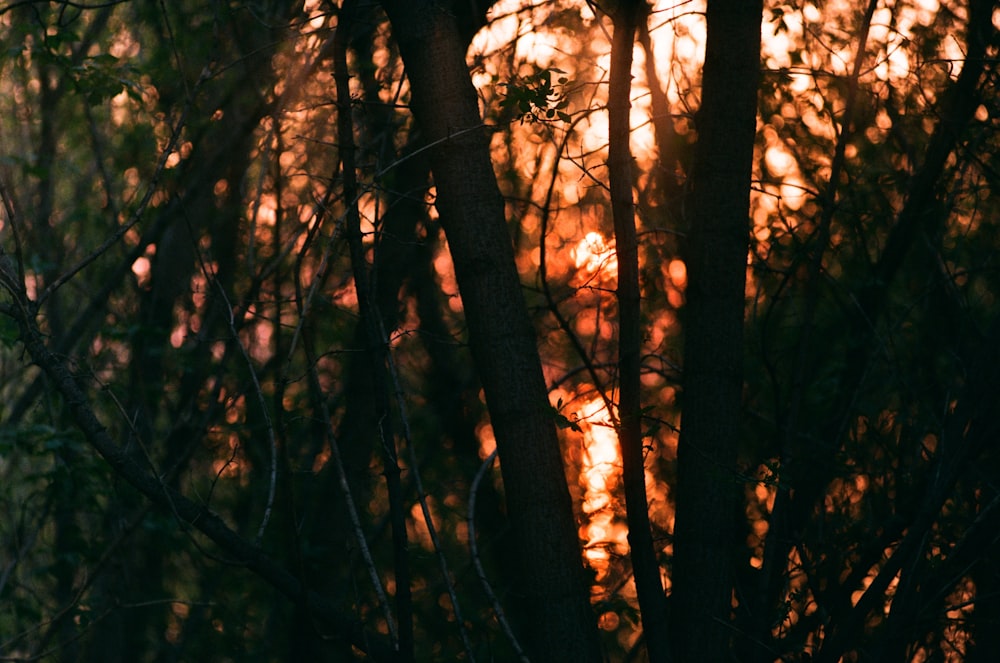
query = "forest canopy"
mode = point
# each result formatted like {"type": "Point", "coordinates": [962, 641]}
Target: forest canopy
{"type": "Point", "coordinates": [555, 330]}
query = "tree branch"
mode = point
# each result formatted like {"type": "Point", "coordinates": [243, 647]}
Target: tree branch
{"type": "Point", "coordinates": [188, 512]}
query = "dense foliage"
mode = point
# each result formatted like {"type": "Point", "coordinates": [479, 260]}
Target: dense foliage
{"type": "Point", "coordinates": [239, 415]}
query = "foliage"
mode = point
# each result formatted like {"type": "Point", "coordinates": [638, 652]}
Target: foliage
{"type": "Point", "coordinates": [175, 240]}
{"type": "Point", "coordinates": [535, 98]}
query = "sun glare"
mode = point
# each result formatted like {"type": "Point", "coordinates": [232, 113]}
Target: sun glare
{"type": "Point", "coordinates": [604, 533]}
{"type": "Point", "coordinates": [594, 255]}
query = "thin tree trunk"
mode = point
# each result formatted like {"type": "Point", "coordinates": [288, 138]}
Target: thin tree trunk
{"type": "Point", "coordinates": [713, 330]}
{"type": "Point", "coordinates": [376, 344]}
{"type": "Point", "coordinates": [552, 589]}
{"type": "Point", "coordinates": [645, 566]}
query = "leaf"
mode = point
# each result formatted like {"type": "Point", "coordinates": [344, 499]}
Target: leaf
{"type": "Point", "coordinates": [562, 421]}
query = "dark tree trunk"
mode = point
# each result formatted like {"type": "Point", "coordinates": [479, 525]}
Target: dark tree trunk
{"type": "Point", "coordinates": [376, 345]}
{"type": "Point", "coordinates": [552, 589]}
{"type": "Point", "coordinates": [645, 565]}
{"type": "Point", "coordinates": [716, 257]}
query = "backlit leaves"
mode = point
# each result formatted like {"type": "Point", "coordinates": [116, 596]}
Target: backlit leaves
{"type": "Point", "coordinates": [536, 98]}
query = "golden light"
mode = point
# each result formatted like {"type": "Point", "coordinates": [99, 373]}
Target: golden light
{"type": "Point", "coordinates": [604, 534]}
{"type": "Point", "coordinates": [539, 48]}
{"type": "Point", "coordinates": [593, 254]}
{"type": "Point", "coordinates": [416, 524]}
{"type": "Point", "coordinates": [177, 336]}
{"type": "Point", "coordinates": [608, 621]}
{"type": "Point", "coordinates": [230, 461]}
{"type": "Point", "coordinates": [445, 270]}
{"type": "Point", "coordinates": [678, 273]}
{"type": "Point", "coordinates": [266, 208]}
{"type": "Point", "coordinates": [487, 442]}
{"type": "Point", "coordinates": [141, 268]}
{"type": "Point", "coordinates": [120, 108]}
{"type": "Point", "coordinates": [260, 345]}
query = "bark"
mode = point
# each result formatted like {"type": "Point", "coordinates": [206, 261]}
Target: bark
{"type": "Point", "coordinates": [552, 588]}
{"type": "Point", "coordinates": [376, 344]}
{"type": "Point", "coordinates": [645, 566]}
{"type": "Point", "coordinates": [713, 330]}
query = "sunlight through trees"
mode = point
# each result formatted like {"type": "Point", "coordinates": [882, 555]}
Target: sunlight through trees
{"type": "Point", "coordinates": [546, 330]}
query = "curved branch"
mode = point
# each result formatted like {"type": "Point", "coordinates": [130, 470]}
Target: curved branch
{"type": "Point", "coordinates": [188, 512]}
{"type": "Point", "coordinates": [480, 571]}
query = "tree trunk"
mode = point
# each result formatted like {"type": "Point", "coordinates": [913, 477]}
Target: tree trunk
{"type": "Point", "coordinates": [552, 589]}
{"type": "Point", "coordinates": [376, 345]}
{"type": "Point", "coordinates": [645, 565]}
{"type": "Point", "coordinates": [716, 257]}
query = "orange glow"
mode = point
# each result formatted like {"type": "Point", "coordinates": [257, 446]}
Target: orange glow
{"type": "Point", "coordinates": [141, 269]}
{"type": "Point", "coordinates": [230, 461]}
{"type": "Point", "coordinates": [177, 336]}
{"type": "Point", "coordinates": [446, 273]}
{"type": "Point", "coordinates": [322, 458]}
{"type": "Point", "coordinates": [260, 342]}
{"type": "Point", "coordinates": [266, 208]}
{"type": "Point", "coordinates": [798, 595]}
{"type": "Point", "coordinates": [678, 273]}
{"type": "Point", "coordinates": [956, 638]}
{"type": "Point", "coordinates": [594, 255]}
{"type": "Point", "coordinates": [608, 621]}
{"type": "Point", "coordinates": [604, 533]}
{"type": "Point", "coordinates": [287, 253]}
{"type": "Point", "coordinates": [487, 443]}
{"type": "Point", "coordinates": [416, 525]}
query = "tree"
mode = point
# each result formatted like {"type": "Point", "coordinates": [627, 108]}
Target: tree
{"type": "Point", "coordinates": [713, 333]}
{"type": "Point", "coordinates": [646, 568]}
{"type": "Point", "coordinates": [282, 282]}
{"type": "Point", "coordinates": [503, 344]}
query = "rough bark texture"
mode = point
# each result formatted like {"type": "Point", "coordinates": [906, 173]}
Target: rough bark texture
{"type": "Point", "coordinates": [713, 330]}
{"type": "Point", "coordinates": [552, 590]}
{"type": "Point", "coordinates": [645, 565]}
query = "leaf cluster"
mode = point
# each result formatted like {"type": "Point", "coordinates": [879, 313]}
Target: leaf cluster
{"type": "Point", "coordinates": [536, 98]}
